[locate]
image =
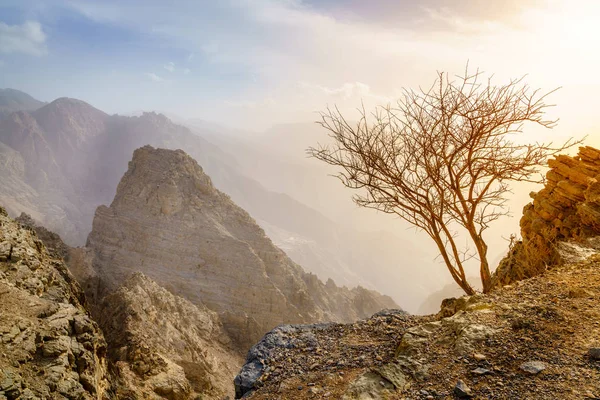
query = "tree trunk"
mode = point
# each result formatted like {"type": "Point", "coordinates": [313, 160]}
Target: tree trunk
{"type": "Point", "coordinates": [484, 267]}
{"type": "Point", "coordinates": [462, 282]}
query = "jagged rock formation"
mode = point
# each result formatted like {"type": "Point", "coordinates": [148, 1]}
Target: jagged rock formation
{"type": "Point", "coordinates": [567, 208]}
{"type": "Point", "coordinates": [537, 339]}
{"type": "Point", "coordinates": [53, 242]}
{"type": "Point", "coordinates": [168, 221]}
{"type": "Point", "coordinates": [49, 346]}
{"type": "Point", "coordinates": [163, 346]}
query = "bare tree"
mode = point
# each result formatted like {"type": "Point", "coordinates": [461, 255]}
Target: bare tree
{"type": "Point", "coordinates": [442, 159]}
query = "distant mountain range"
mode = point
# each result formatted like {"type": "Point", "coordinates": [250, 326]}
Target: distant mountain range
{"type": "Point", "coordinates": [12, 100]}
{"type": "Point", "coordinates": [60, 161]}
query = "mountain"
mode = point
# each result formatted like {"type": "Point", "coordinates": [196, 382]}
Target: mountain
{"type": "Point", "coordinates": [12, 100]}
{"type": "Point", "coordinates": [60, 162]}
{"type": "Point", "coordinates": [168, 221]}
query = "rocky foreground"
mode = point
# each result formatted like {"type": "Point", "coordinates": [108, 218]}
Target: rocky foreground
{"type": "Point", "coordinates": [49, 346]}
{"type": "Point", "coordinates": [143, 342]}
{"type": "Point", "coordinates": [538, 339]}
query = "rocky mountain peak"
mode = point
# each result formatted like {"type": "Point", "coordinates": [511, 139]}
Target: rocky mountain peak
{"type": "Point", "coordinates": [169, 222]}
{"type": "Point", "coordinates": [165, 181]}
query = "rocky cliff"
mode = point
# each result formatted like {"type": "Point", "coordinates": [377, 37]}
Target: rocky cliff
{"type": "Point", "coordinates": [537, 339]}
{"type": "Point", "coordinates": [566, 209]}
{"type": "Point", "coordinates": [49, 346]}
{"type": "Point", "coordinates": [168, 221]}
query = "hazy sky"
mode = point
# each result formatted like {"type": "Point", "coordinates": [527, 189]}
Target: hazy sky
{"type": "Point", "coordinates": [254, 63]}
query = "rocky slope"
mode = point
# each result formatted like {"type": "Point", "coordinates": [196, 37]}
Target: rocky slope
{"type": "Point", "coordinates": [157, 345]}
{"type": "Point", "coordinates": [163, 346]}
{"type": "Point", "coordinates": [537, 339]}
{"type": "Point", "coordinates": [168, 221]}
{"type": "Point", "coordinates": [567, 208]}
{"type": "Point", "coordinates": [49, 346]}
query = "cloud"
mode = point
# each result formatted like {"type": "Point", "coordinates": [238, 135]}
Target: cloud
{"type": "Point", "coordinates": [186, 71]}
{"type": "Point", "coordinates": [250, 104]}
{"type": "Point", "coordinates": [346, 91]}
{"type": "Point", "coordinates": [170, 66]}
{"type": "Point", "coordinates": [210, 48]}
{"type": "Point", "coordinates": [153, 77]}
{"type": "Point", "coordinates": [380, 48]}
{"type": "Point", "coordinates": [27, 38]}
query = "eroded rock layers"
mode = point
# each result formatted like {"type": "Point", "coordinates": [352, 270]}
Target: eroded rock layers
{"type": "Point", "coordinates": [567, 208]}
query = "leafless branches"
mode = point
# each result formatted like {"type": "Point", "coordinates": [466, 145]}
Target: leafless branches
{"type": "Point", "coordinates": [442, 159]}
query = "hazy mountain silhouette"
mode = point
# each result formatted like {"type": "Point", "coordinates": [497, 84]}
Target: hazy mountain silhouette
{"type": "Point", "coordinates": [12, 100]}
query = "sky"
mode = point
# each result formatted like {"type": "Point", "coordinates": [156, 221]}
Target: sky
{"type": "Point", "coordinates": [252, 64]}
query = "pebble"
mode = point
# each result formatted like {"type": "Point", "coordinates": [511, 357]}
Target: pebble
{"type": "Point", "coordinates": [462, 391]}
{"type": "Point", "coordinates": [481, 371]}
{"type": "Point", "coordinates": [594, 353]}
{"type": "Point", "coordinates": [533, 367]}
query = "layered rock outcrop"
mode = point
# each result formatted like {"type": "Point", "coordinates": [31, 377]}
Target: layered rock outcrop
{"type": "Point", "coordinates": [49, 346]}
{"type": "Point", "coordinates": [168, 221]}
{"type": "Point", "coordinates": [567, 208]}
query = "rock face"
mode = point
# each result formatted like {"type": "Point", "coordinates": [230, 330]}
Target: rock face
{"type": "Point", "coordinates": [567, 208]}
{"type": "Point", "coordinates": [163, 346]}
{"type": "Point", "coordinates": [169, 222]}
{"type": "Point", "coordinates": [53, 242]}
{"type": "Point", "coordinates": [49, 346]}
